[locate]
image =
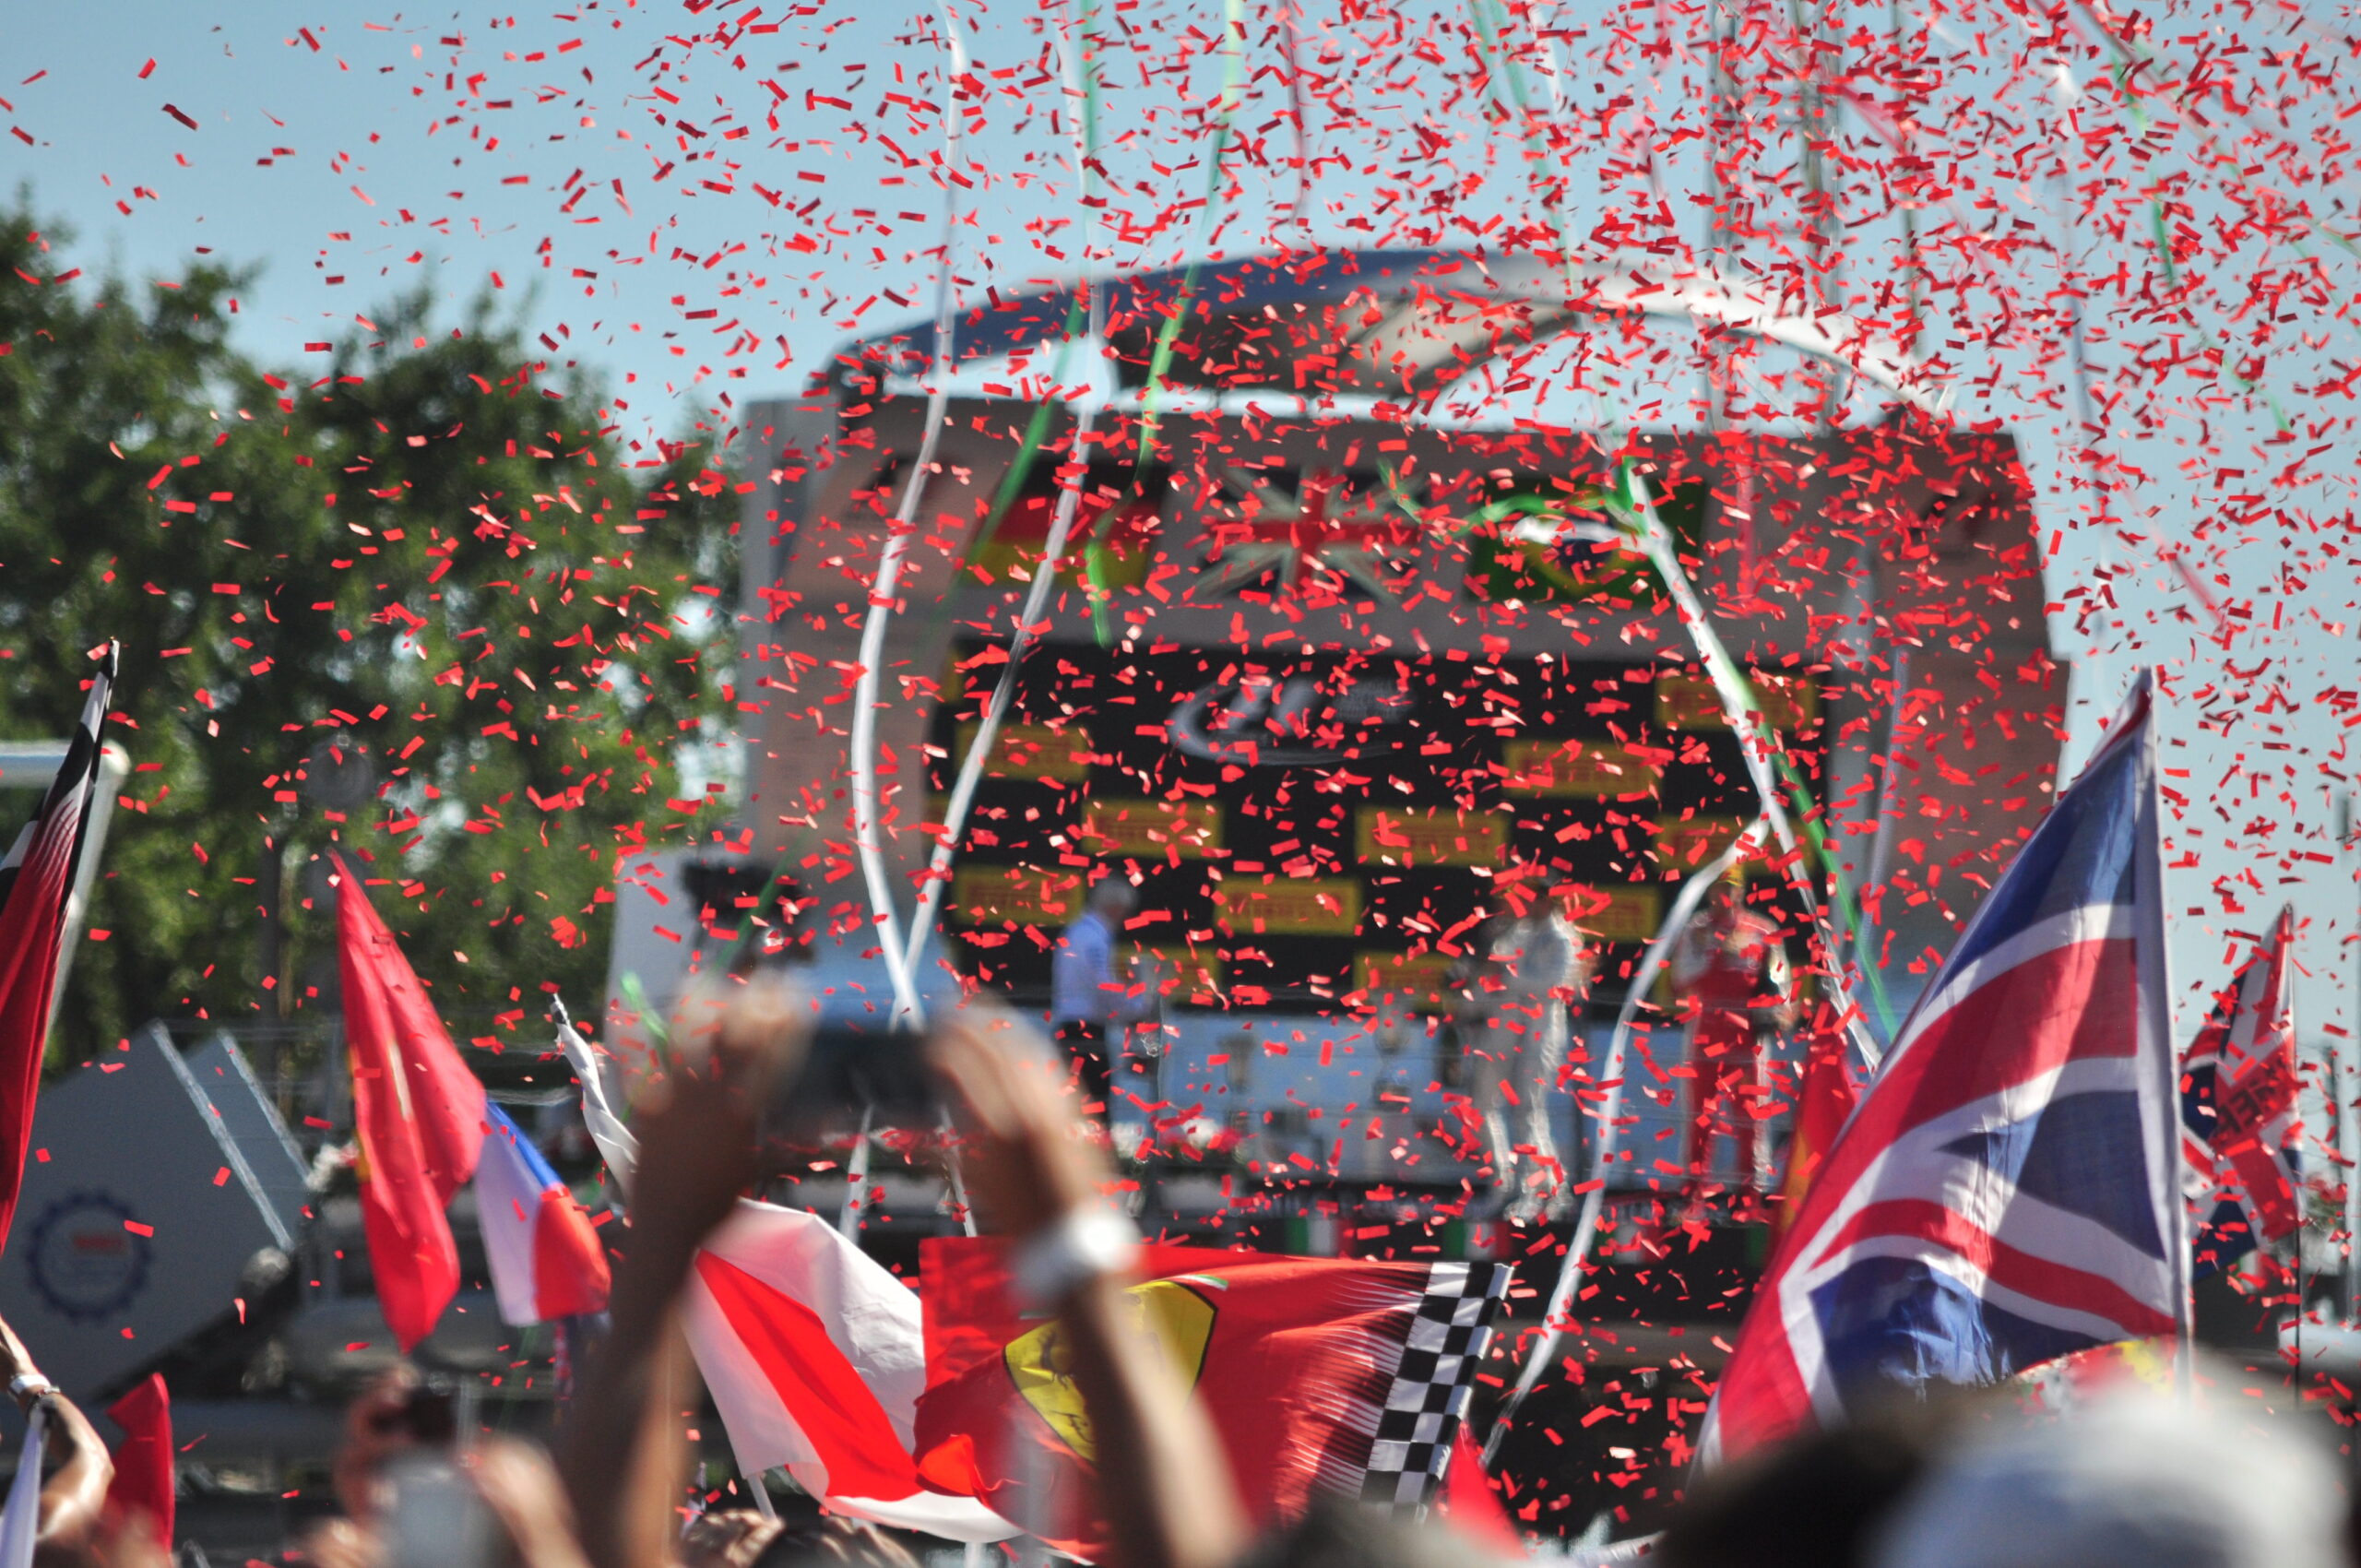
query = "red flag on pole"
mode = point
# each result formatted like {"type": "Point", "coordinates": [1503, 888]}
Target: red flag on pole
{"type": "Point", "coordinates": [418, 1113]}
{"type": "Point", "coordinates": [35, 882]}
{"type": "Point", "coordinates": [1469, 1505]}
{"type": "Point", "coordinates": [1822, 1108]}
{"type": "Point", "coordinates": [143, 1461]}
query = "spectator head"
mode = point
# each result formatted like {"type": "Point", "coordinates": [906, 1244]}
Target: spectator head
{"type": "Point", "coordinates": [741, 1539]}
{"type": "Point", "coordinates": [392, 1416]}
{"type": "Point", "coordinates": [1346, 1535]}
{"type": "Point", "coordinates": [1522, 886]}
{"type": "Point", "coordinates": [2135, 1479]}
{"type": "Point", "coordinates": [1810, 1502]}
{"type": "Point", "coordinates": [1112, 898]}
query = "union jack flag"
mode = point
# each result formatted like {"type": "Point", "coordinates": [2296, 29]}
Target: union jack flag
{"type": "Point", "coordinates": [2237, 1112]}
{"type": "Point", "coordinates": [2009, 1190]}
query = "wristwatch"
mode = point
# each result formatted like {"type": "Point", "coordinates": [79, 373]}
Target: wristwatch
{"type": "Point", "coordinates": [1052, 1264]}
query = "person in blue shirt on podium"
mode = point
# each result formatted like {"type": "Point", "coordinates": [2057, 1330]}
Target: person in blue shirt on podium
{"type": "Point", "coordinates": [1092, 992]}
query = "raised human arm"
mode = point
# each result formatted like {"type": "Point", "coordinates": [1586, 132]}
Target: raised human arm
{"type": "Point", "coordinates": [622, 1458]}
{"type": "Point", "coordinates": [1170, 1500]}
{"type": "Point", "coordinates": [73, 1499]}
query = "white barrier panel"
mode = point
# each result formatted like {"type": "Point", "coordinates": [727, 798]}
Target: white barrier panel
{"type": "Point", "coordinates": [140, 1214]}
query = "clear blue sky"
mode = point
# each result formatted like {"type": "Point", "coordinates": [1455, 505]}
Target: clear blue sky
{"type": "Point", "coordinates": [696, 225]}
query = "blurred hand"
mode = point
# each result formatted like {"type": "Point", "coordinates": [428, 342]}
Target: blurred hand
{"type": "Point", "coordinates": [129, 1543]}
{"type": "Point", "coordinates": [340, 1543]}
{"type": "Point", "coordinates": [1031, 1160]}
{"type": "Point", "coordinates": [733, 1538]}
{"type": "Point", "coordinates": [699, 1116]}
{"type": "Point", "coordinates": [521, 1486]}
{"type": "Point", "coordinates": [15, 1360]}
{"type": "Point", "coordinates": [700, 1113]}
{"type": "Point", "coordinates": [375, 1429]}
{"type": "Point", "coordinates": [1161, 1462]}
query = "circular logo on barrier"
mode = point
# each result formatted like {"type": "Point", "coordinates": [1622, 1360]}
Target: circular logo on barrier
{"type": "Point", "coordinates": [1291, 721]}
{"type": "Point", "coordinates": [86, 1262]}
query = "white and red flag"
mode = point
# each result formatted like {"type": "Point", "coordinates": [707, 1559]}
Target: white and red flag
{"type": "Point", "coordinates": [814, 1354]}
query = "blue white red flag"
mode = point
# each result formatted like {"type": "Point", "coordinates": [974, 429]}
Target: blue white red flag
{"type": "Point", "coordinates": [2239, 1129]}
{"type": "Point", "coordinates": [2009, 1190]}
{"type": "Point", "coordinates": [546, 1261]}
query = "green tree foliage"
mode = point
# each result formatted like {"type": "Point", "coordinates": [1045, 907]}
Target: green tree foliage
{"type": "Point", "coordinates": [417, 566]}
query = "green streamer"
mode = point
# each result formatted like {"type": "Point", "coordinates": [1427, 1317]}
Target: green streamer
{"type": "Point", "coordinates": [1491, 29]}
{"type": "Point", "coordinates": [635, 998]}
{"type": "Point", "coordinates": [1233, 92]}
{"type": "Point", "coordinates": [2160, 238]}
{"type": "Point", "coordinates": [1037, 427]}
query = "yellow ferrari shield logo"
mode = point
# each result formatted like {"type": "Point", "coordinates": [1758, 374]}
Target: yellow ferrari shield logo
{"type": "Point", "coordinates": [1176, 1312]}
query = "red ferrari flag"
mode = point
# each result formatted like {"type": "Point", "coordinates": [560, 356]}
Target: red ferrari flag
{"type": "Point", "coordinates": [1469, 1505]}
{"type": "Point", "coordinates": [35, 882]}
{"type": "Point", "coordinates": [417, 1114]}
{"type": "Point", "coordinates": [1322, 1377]}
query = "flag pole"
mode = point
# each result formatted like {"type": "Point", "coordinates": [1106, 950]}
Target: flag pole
{"type": "Point", "coordinates": [2153, 940]}
{"type": "Point", "coordinates": [856, 1180]}
{"type": "Point", "coordinates": [2344, 1080]}
{"type": "Point", "coordinates": [2282, 937]}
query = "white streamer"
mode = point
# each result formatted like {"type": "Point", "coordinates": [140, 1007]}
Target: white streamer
{"type": "Point", "coordinates": [971, 766]}
{"type": "Point", "coordinates": [1044, 576]}
{"type": "Point", "coordinates": [863, 743]}
{"type": "Point", "coordinates": [617, 1144]}
{"type": "Point", "coordinates": [1757, 742]}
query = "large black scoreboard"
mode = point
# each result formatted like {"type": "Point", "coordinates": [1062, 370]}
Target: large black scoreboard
{"type": "Point", "coordinates": [1328, 831]}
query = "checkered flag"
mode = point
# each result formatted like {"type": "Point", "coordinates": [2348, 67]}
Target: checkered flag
{"type": "Point", "coordinates": [1429, 1397]}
